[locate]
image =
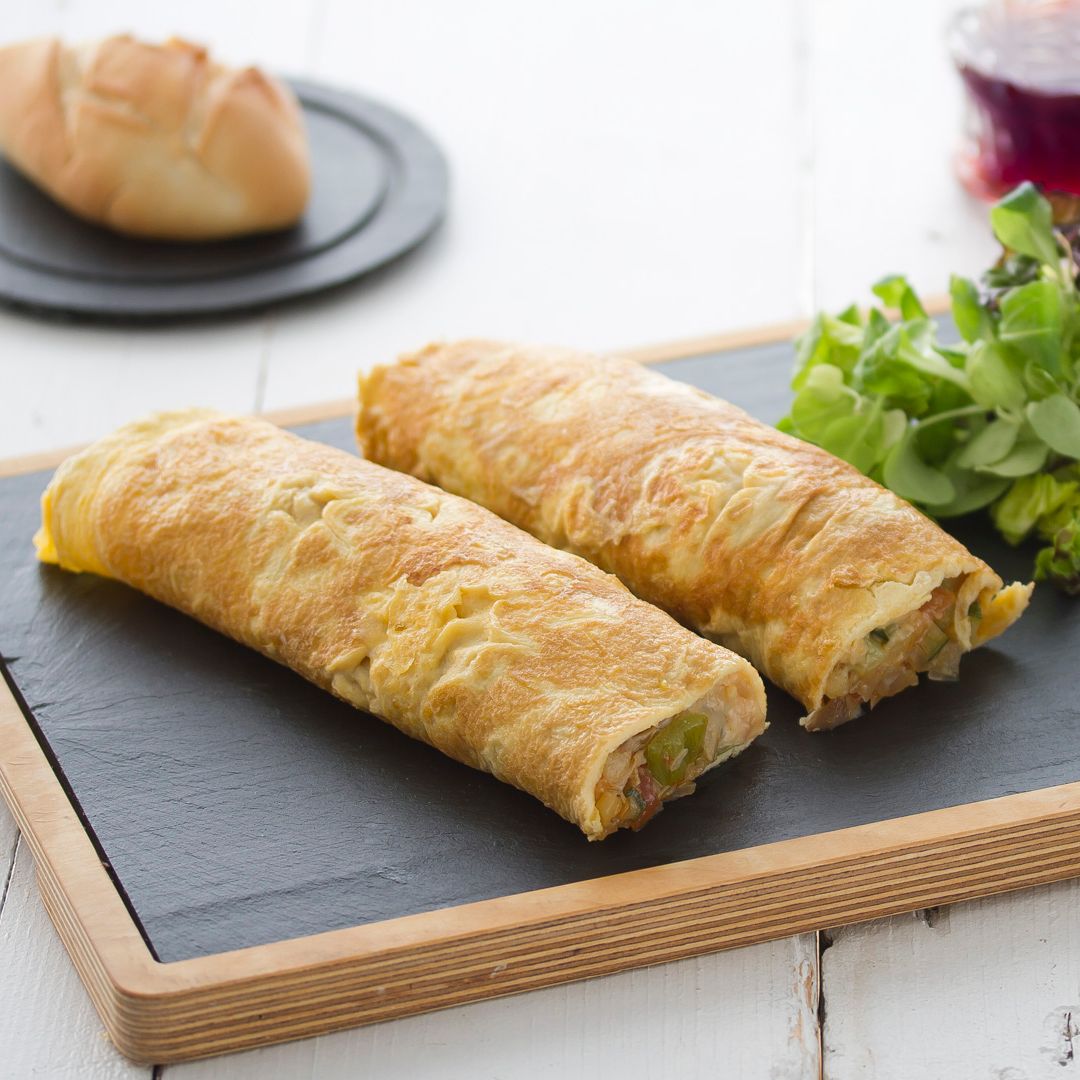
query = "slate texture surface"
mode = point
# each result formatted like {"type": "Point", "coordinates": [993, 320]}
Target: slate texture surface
{"type": "Point", "coordinates": [237, 805]}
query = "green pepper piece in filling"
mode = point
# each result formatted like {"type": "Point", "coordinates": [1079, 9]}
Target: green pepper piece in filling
{"type": "Point", "coordinates": [934, 641]}
{"type": "Point", "coordinates": [670, 751]}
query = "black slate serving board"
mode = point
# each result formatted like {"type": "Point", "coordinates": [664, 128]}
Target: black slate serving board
{"type": "Point", "coordinates": [379, 187]}
{"type": "Point", "coordinates": [237, 805]}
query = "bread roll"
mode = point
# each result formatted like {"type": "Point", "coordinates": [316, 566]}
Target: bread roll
{"type": "Point", "coordinates": [838, 590]}
{"type": "Point", "coordinates": [412, 604]}
{"type": "Point", "coordinates": [154, 140]}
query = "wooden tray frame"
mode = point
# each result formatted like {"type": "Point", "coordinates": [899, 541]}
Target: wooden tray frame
{"type": "Point", "coordinates": [168, 1012]}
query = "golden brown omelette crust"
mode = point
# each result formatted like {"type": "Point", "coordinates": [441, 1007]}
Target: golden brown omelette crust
{"type": "Point", "coordinates": [773, 546]}
{"type": "Point", "coordinates": [427, 609]}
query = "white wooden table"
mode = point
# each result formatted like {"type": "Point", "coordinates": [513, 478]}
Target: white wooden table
{"type": "Point", "coordinates": [623, 173]}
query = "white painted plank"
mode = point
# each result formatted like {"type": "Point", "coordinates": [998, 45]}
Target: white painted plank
{"type": "Point", "coordinates": [622, 173]}
{"type": "Point", "coordinates": [987, 989]}
{"type": "Point", "coordinates": [278, 37]}
{"type": "Point", "coordinates": [48, 1027]}
{"type": "Point", "coordinates": [462, 71]}
{"type": "Point", "coordinates": [612, 241]}
{"type": "Point", "coordinates": [984, 989]}
{"type": "Point", "coordinates": [750, 1013]}
{"type": "Point", "coordinates": [65, 385]}
{"type": "Point", "coordinates": [68, 383]}
{"type": "Point", "coordinates": [887, 118]}
{"type": "Point", "coordinates": [8, 836]}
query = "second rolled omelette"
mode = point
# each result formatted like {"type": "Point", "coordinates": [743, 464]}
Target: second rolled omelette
{"type": "Point", "coordinates": [838, 590]}
{"type": "Point", "coordinates": [416, 605]}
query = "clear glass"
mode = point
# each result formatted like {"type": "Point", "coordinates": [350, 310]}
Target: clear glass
{"type": "Point", "coordinates": [1020, 63]}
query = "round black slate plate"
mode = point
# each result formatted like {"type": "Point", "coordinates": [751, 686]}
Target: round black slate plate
{"type": "Point", "coordinates": [379, 188]}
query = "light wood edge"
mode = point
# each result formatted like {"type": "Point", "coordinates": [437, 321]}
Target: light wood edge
{"type": "Point", "coordinates": [291, 989]}
{"type": "Point", "coordinates": [311, 414]}
{"type": "Point", "coordinates": [169, 1012]}
{"type": "Point", "coordinates": [660, 353]}
{"type": "Point", "coordinates": [300, 414]}
{"type": "Point", "coordinates": [685, 348]}
{"type": "Point", "coordinates": [742, 339]}
{"type": "Point", "coordinates": [158, 1012]}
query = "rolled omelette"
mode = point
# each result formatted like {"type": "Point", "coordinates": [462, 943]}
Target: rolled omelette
{"type": "Point", "coordinates": [834, 587]}
{"type": "Point", "coordinates": [410, 603]}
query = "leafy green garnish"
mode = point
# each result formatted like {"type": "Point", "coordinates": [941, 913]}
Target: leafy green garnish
{"type": "Point", "coordinates": [971, 318]}
{"type": "Point", "coordinates": [897, 293]}
{"type": "Point", "coordinates": [1023, 222]}
{"type": "Point", "coordinates": [1029, 501]}
{"type": "Point", "coordinates": [1056, 420]}
{"type": "Point", "coordinates": [1060, 563]}
{"type": "Point", "coordinates": [994, 443]}
{"type": "Point", "coordinates": [1030, 327]}
{"type": "Point", "coordinates": [993, 381]}
{"type": "Point", "coordinates": [908, 475]}
{"type": "Point", "coordinates": [993, 421]}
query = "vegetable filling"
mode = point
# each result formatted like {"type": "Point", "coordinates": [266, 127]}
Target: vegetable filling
{"type": "Point", "coordinates": [659, 764]}
{"type": "Point", "coordinates": [892, 658]}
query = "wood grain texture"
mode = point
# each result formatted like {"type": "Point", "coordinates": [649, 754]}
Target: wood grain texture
{"type": "Point", "coordinates": [990, 988]}
{"type": "Point", "coordinates": [881, 205]}
{"type": "Point", "coordinates": [707, 344]}
{"type": "Point", "coordinates": [143, 371]}
{"type": "Point", "coordinates": [750, 1013]}
{"type": "Point", "coordinates": [193, 1008]}
{"type": "Point", "coordinates": [344, 406]}
{"type": "Point", "coordinates": [595, 207]}
{"type": "Point", "coordinates": [65, 396]}
{"type": "Point", "coordinates": [75, 382]}
{"type": "Point", "coordinates": [48, 1027]}
{"type": "Point", "coordinates": [9, 835]}
{"type": "Point", "coordinates": [442, 958]}
{"type": "Point", "coordinates": [657, 353]}
{"type": "Point", "coordinates": [968, 996]}
{"type": "Point", "coordinates": [853, 224]}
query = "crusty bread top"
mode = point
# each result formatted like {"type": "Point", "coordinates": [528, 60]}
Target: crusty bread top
{"type": "Point", "coordinates": [154, 140]}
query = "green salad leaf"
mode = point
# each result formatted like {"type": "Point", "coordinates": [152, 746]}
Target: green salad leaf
{"type": "Point", "coordinates": [1024, 223]}
{"type": "Point", "coordinates": [992, 380]}
{"type": "Point", "coordinates": [908, 474]}
{"type": "Point", "coordinates": [1031, 318]}
{"type": "Point", "coordinates": [895, 292]}
{"type": "Point", "coordinates": [971, 318]}
{"type": "Point", "coordinates": [991, 421]}
{"type": "Point", "coordinates": [994, 443]}
{"type": "Point", "coordinates": [1056, 420]}
{"type": "Point", "coordinates": [1028, 501]}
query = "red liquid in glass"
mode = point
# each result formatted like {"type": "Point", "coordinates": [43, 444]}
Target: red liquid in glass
{"type": "Point", "coordinates": [1021, 66]}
